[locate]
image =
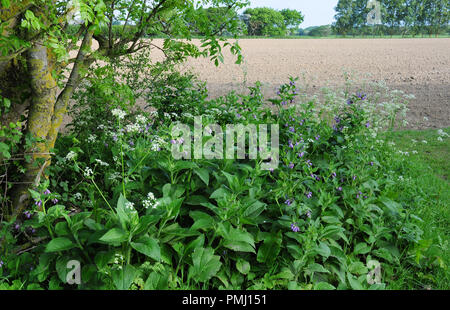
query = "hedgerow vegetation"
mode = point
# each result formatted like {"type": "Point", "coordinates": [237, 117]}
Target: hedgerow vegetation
{"type": "Point", "coordinates": [344, 209]}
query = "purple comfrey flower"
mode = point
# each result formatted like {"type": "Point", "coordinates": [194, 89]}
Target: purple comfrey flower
{"type": "Point", "coordinates": [254, 116]}
{"type": "Point", "coordinates": [361, 96]}
{"type": "Point", "coordinates": [333, 175]}
{"type": "Point", "coordinates": [1, 263]}
{"type": "Point", "coordinates": [354, 177]}
{"type": "Point", "coordinates": [301, 154]}
{"type": "Point", "coordinates": [291, 129]}
{"type": "Point", "coordinates": [339, 188]}
{"type": "Point", "coordinates": [292, 83]}
{"type": "Point", "coordinates": [317, 137]}
{"type": "Point", "coordinates": [271, 169]}
{"type": "Point", "coordinates": [278, 92]}
{"type": "Point", "coordinates": [308, 214]}
{"type": "Point", "coordinates": [106, 144]}
{"type": "Point", "coordinates": [371, 163]}
{"type": "Point", "coordinates": [349, 101]}
{"type": "Point", "coordinates": [291, 165]}
{"type": "Point", "coordinates": [115, 138]}
{"type": "Point", "coordinates": [317, 178]}
{"type": "Point", "coordinates": [368, 125]}
{"type": "Point", "coordinates": [38, 203]}
{"type": "Point", "coordinates": [238, 115]}
{"type": "Point", "coordinates": [17, 226]}
{"type": "Point", "coordinates": [294, 227]}
{"type": "Point", "coordinates": [294, 92]}
{"type": "Point", "coordinates": [309, 163]}
{"type": "Point", "coordinates": [55, 201]}
{"type": "Point", "coordinates": [309, 195]}
{"type": "Point", "coordinates": [173, 141]}
{"type": "Point", "coordinates": [288, 202]}
{"type": "Point", "coordinates": [131, 143]}
{"type": "Point", "coordinates": [290, 144]}
{"type": "Point", "coordinates": [359, 193]}
{"type": "Point", "coordinates": [46, 192]}
{"type": "Point", "coordinates": [337, 120]}
{"type": "Point", "coordinates": [283, 103]}
{"type": "Point", "coordinates": [27, 214]}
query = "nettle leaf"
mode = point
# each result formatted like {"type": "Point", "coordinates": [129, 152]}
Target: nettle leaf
{"type": "Point", "coordinates": [148, 246]}
{"type": "Point", "coordinates": [123, 278]}
{"type": "Point", "coordinates": [114, 235]}
{"type": "Point", "coordinates": [59, 244]}
{"type": "Point", "coordinates": [205, 265]}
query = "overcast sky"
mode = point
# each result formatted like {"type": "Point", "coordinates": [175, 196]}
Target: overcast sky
{"type": "Point", "coordinates": [316, 12]}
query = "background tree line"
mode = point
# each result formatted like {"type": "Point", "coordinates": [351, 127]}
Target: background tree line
{"type": "Point", "coordinates": [398, 17]}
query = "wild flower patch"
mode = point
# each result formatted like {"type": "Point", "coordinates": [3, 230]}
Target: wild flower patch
{"type": "Point", "coordinates": [136, 218]}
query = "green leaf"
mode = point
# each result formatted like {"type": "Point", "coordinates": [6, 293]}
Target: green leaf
{"type": "Point", "coordinates": [148, 246]}
{"type": "Point", "coordinates": [203, 173]}
{"type": "Point", "coordinates": [157, 281]}
{"type": "Point", "coordinates": [205, 265]}
{"type": "Point", "coordinates": [114, 235]}
{"type": "Point", "coordinates": [314, 267]}
{"type": "Point", "coordinates": [123, 278]}
{"type": "Point", "coordinates": [243, 266]}
{"type": "Point", "coordinates": [269, 250]}
{"type": "Point", "coordinates": [354, 283]}
{"type": "Point", "coordinates": [59, 244]}
{"type": "Point", "coordinates": [202, 220]}
{"type": "Point", "coordinates": [323, 249]}
{"type": "Point", "coordinates": [361, 248]}
{"type": "Point", "coordinates": [321, 286]}
{"type": "Point", "coordinates": [358, 268]}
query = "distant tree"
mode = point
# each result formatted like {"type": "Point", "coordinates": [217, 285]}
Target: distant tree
{"type": "Point", "coordinates": [321, 31]}
{"type": "Point", "coordinates": [344, 14]}
{"type": "Point", "coordinates": [292, 19]}
{"type": "Point", "coordinates": [393, 14]}
{"type": "Point", "coordinates": [265, 22]}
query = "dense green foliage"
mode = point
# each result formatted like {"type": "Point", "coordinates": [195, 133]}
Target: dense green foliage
{"type": "Point", "coordinates": [405, 17]}
{"type": "Point", "coordinates": [270, 22]}
{"type": "Point", "coordinates": [135, 218]}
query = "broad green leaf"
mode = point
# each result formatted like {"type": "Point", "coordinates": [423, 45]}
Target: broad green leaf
{"type": "Point", "coordinates": [243, 266]}
{"type": "Point", "coordinates": [59, 244]}
{"type": "Point", "coordinates": [203, 173]}
{"type": "Point", "coordinates": [323, 286]}
{"type": "Point", "coordinates": [148, 246]}
{"type": "Point", "coordinates": [124, 277]}
{"type": "Point", "coordinates": [205, 265]}
{"type": "Point", "coordinates": [114, 235]}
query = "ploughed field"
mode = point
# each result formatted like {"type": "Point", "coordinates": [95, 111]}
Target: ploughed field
{"type": "Point", "coordinates": [416, 66]}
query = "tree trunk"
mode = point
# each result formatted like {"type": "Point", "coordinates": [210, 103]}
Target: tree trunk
{"type": "Point", "coordinates": [42, 103]}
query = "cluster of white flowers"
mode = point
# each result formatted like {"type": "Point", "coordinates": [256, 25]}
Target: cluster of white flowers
{"type": "Point", "coordinates": [141, 119]}
{"type": "Point", "coordinates": [442, 134]}
{"type": "Point", "coordinates": [425, 141]}
{"type": "Point", "coordinates": [131, 128]}
{"type": "Point", "coordinates": [78, 196]}
{"type": "Point", "coordinates": [119, 113]}
{"type": "Point", "coordinates": [92, 138]}
{"type": "Point", "coordinates": [102, 163]}
{"type": "Point", "coordinates": [88, 172]}
{"type": "Point", "coordinates": [157, 143]}
{"type": "Point", "coordinates": [71, 155]}
{"type": "Point", "coordinates": [415, 152]}
{"type": "Point", "coordinates": [129, 206]}
{"type": "Point", "coordinates": [118, 260]}
{"type": "Point", "coordinates": [404, 153]}
{"type": "Point", "coordinates": [150, 202]}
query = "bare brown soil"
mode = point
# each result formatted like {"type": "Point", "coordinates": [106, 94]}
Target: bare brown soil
{"type": "Point", "coordinates": [416, 66]}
